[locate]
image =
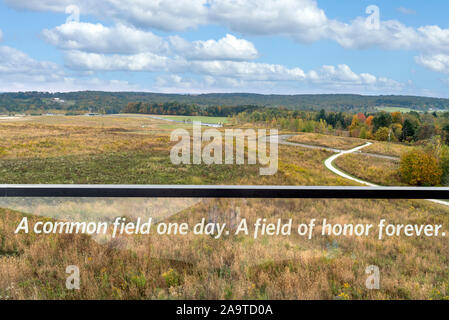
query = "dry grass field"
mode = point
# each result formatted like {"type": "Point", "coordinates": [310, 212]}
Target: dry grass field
{"type": "Point", "coordinates": [377, 170]}
{"type": "Point", "coordinates": [388, 149]}
{"type": "Point", "coordinates": [235, 267]}
{"type": "Point", "coordinates": [323, 140]}
{"type": "Point", "coordinates": [136, 150]}
{"type": "Point", "coordinates": [346, 143]}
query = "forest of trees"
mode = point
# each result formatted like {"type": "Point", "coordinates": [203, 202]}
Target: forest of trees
{"type": "Point", "coordinates": [113, 102]}
{"type": "Point", "coordinates": [383, 126]}
{"type": "Point", "coordinates": [175, 108]}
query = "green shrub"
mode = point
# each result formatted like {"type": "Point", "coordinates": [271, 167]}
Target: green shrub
{"type": "Point", "coordinates": [172, 278]}
{"type": "Point", "coordinates": [382, 134]}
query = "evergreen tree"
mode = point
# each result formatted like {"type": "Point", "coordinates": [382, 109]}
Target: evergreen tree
{"type": "Point", "coordinates": [408, 130]}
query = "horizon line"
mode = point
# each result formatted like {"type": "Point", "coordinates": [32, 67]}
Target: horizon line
{"type": "Point", "coordinates": [229, 93]}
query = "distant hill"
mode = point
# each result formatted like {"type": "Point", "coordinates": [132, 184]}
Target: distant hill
{"type": "Point", "coordinates": [114, 102]}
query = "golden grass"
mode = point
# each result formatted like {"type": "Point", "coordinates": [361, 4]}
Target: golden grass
{"type": "Point", "coordinates": [56, 138]}
{"type": "Point", "coordinates": [377, 170]}
{"type": "Point", "coordinates": [327, 140]}
{"type": "Point", "coordinates": [235, 267]}
{"type": "Point", "coordinates": [387, 148]}
{"type": "Point", "coordinates": [346, 143]}
{"type": "Point", "coordinates": [46, 137]}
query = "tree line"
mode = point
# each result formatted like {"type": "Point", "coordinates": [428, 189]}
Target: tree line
{"type": "Point", "coordinates": [113, 102]}
{"type": "Point", "coordinates": [383, 126]}
{"type": "Point", "coordinates": [182, 109]}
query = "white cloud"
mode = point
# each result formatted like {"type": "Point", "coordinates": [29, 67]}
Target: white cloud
{"type": "Point", "coordinates": [175, 83]}
{"type": "Point", "coordinates": [20, 72]}
{"type": "Point", "coordinates": [179, 84]}
{"type": "Point", "coordinates": [304, 21]}
{"type": "Point", "coordinates": [252, 16]}
{"type": "Point", "coordinates": [168, 15]}
{"type": "Point", "coordinates": [326, 75]}
{"type": "Point", "coordinates": [230, 73]}
{"type": "Point", "coordinates": [227, 48]}
{"type": "Point", "coordinates": [79, 84]}
{"type": "Point", "coordinates": [149, 62]}
{"type": "Point", "coordinates": [435, 62]}
{"type": "Point", "coordinates": [14, 62]}
{"type": "Point", "coordinates": [40, 5]}
{"type": "Point", "coordinates": [100, 39]}
{"type": "Point", "coordinates": [125, 46]}
{"type": "Point", "coordinates": [301, 18]}
{"type": "Point", "coordinates": [246, 70]}
{"type": "Point", "coordinates": [391, 35]}
{"type": "Point", "coordinates": [433, 38]}
{"type": "Point", "coordinates": [220, 76]}
{"type": "Point", "coordinates": [217, 60]}
{"type": "Point", "coordinates": [121, 39]}
{"type": "Point", "coordinates": [341, 73]}
{"type": "Point", "coordinates": [1, 35]}
{"type": "Point", "coordinates": [66, 84]}
{"type": "Point", "coordinates": [342, 76]}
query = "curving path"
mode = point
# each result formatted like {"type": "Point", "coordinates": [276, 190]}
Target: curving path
{"type": "Point", "coordinates": [282, 139]}
{"type": "Point", "coordinates": [329, 161]}
{"type": "Point", "coordinates": [329, 165]}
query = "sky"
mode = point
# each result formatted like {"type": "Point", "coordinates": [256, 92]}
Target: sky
{"type": "Point", "coordinates": [370, 47]}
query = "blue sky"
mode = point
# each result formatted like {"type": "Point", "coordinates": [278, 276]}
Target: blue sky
{"type": "Point", "coordinates": [198, 46]}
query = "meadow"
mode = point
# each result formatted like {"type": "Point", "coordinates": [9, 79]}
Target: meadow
{"type": "Point", "coordinates": [377, 170]}
{"type": "Point", "coordinates": [235, 267]}
{"type": "Point", "coordinates": [396, 109]}
{"type": "Point", "coordinates": [337, 142]}
{"type": "Point", "coordinates": [136, 150]}
{"type": "Point", "coordinates": [345, 143]}
{"type": "Point", "coordinates": [130, 150]}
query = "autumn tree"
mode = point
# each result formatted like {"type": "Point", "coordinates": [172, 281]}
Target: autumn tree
{"type": "Point", "coordinates": [355, 122]}
{"type": "Point", "coordinates": [396, 117]}
{"type": "Point", "coordinates": [397, 130]}
{"type": "Point", "coordinates": [420, 168]}
{"type": "Point", "coordinates": [361, 117]}
{"type": "Point", "coordinates": [363, 133]}
{"type": "Point", "coordinates": [425, 131]}
{"type": "Point", "coordinates": [382, 134]}
{"type": "Point", "coordinates": [354, 129]}
{"type": "Point", "coordinates": [369, 121]}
